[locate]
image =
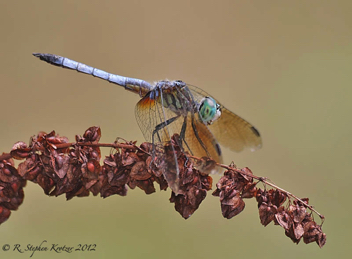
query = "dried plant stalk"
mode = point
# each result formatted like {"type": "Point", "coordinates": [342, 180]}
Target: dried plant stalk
{"type": "Point", "coordinates": [74, 169]}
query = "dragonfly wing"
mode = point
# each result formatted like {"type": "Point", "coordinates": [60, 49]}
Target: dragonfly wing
{"type": "Point", "coordinates": [230, 130]}
{"type": "Point", "coordinates": [200, 142]}
{"type": "Point", "coordinates": [148, 115]}
{"type": "Point", "coordinates": [152, 117]}
{"type": "Point", "coordinates": [234, 132]}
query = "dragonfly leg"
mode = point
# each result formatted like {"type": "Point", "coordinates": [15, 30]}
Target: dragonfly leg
{"type": "Point", "coordinates": [182, 138]}
{"type": "Point", "coordinates": [156, 132]}
{"type": "Point", "coordinates": [198, 138]}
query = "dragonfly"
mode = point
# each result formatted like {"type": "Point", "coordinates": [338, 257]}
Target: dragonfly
{"type": "Point", "coordinates": [167, 108]}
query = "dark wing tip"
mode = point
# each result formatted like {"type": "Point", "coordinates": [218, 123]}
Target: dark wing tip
{"type": "Point", "coordinates": [255, 131]}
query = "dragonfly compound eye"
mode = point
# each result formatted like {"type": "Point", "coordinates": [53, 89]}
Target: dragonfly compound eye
{"type": "Point", "coordinates": [209, 110]}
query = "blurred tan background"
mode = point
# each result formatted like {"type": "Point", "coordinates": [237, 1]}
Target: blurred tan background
{"type": "Point", "coordinates": [285, 66]}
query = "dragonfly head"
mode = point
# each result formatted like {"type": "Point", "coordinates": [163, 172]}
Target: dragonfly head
{"type": "Point", "coordinates": [209, 110]}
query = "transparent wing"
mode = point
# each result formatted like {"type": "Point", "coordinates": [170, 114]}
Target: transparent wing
{"type": "Point", "coordinates": [151, 115]}
{"type": "Point", "coordinates": [234, 132]}
{"type": "Point", "coordinates": [151, 118]}
{"type": "Point", "coordinates": [230, 130]}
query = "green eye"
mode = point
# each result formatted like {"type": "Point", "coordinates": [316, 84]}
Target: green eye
{"type": "Point", "coordinates": [209, 110]}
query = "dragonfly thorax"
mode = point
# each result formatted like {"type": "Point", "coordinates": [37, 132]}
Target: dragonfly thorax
{"type": "Point", "coordinates": [175, 96]}
{"type": "Point", "coordinates": [209, 110]}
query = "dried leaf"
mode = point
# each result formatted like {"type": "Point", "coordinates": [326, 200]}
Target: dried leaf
{"type": "Point", "coordinates": [20, 151]}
